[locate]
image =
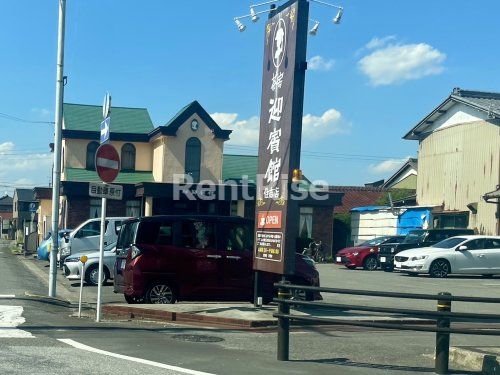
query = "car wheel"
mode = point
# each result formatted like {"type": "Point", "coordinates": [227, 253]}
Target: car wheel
{"type": "Point", "coordinates": [133, 300]}
{"type": "Point", "coordinates": [370, 263]}
{"type": "Point", "coordinates": [92, 275]}
{"type": "Point", "coordinates": [440, 268]}
{"type": "Point", "coordinates": [161, 293]}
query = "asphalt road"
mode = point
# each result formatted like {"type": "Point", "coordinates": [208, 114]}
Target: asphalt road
{"type": "Point", "coordinates": [337, 276]}
{"type": "Point", "coordinates": [35, 346]}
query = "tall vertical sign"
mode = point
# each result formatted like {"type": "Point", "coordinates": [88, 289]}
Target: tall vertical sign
{"type": "Point", "coordinates": [276, 226]}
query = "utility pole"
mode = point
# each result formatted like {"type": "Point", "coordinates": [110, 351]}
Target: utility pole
{"type": "Point", "coordinates": [56, 173]}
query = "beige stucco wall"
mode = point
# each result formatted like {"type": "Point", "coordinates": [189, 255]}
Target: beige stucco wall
{"type": "Point", "coordinates": [169, 153]}
{"type": "Point", "coordinates": [75, 151]}
{"type": "Point", "coordinates": [44, 210]}
{"type": "Point", "coordinates": [457, 166]}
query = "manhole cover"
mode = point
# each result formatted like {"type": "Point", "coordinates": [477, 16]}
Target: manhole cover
{"type": "Point", "coordinates": [197, 338]}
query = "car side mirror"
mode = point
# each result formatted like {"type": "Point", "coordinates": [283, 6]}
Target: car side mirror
{"type": "Point", "coordinates": [462, 248]}
{"type": "Point", "coordinates": [66, 238]}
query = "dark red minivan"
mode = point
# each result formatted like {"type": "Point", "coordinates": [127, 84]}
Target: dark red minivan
{"type": "Point", "coordinates": [164, 259]}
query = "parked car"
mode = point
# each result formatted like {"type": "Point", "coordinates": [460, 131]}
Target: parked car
{"type": "Point", "coordinates": [73, 267]}
{"type": "Point", "coordinates": [414, 239]}
{"type": "Point", "coordinates": [456, 255]}
{"type": "Point", "coordinates": [365, 254]}
{"type": "Point", "coordinates": [45, 246]}
{"type": "Point", "coordinates": [163, 259]}
{"type": "Point", "coordinates": [85, 238]}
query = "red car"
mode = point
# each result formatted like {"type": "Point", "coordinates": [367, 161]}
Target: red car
{"type": "Point", "coordinates": [365, 254]}
{"type": "Point", "coordinates": [165, 259]}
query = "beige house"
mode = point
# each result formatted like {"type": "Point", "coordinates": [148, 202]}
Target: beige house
{"type": "Point", "coordinates": [459, 160]}
{"type": "Point", "coordinates": [187, 148]}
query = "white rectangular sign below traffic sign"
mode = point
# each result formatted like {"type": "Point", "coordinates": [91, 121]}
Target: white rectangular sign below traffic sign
{"type": "Point", "coordinates": [105, 191]}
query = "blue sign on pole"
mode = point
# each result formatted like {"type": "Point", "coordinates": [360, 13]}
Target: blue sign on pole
{"type": "Point", "coordinates": [32, 208]}
{"type": "Point", "coordinates": [105, 130]}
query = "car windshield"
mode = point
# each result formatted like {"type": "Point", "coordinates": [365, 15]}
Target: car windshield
{"type": "Point", "coordinates": [374, 242]}
{"type": "Point", "coordinates": [449, 243]}
{"type": "Point", "coordinates": [415, 236]}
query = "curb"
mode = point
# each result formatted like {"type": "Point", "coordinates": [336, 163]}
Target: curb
{"type": "Point", "coordinates": [130, 312]}
{"type": "Point", "coordinates": [475, 360]}
{"type": "Point", "coordinates": [110, 312]}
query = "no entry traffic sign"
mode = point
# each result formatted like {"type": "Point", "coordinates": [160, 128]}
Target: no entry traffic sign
{"type": "Point", "coordinates": [107, 163]}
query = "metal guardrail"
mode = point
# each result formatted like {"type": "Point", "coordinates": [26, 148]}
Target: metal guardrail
{"type": "Point", "coordinates": [443, 317]}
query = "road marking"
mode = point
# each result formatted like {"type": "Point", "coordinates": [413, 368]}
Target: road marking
{"type": "Point", "coordinates": [78, 345]}
{"type": "Point", "coordinates": [10, 318]}
{"type": "Point", "coordinates": [7, 296]}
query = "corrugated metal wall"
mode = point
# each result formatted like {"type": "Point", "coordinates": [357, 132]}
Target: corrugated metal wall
{"type": "Point", "coordinates": [457, 166]}
{"type": "Point", "coordinates": [371, 224]}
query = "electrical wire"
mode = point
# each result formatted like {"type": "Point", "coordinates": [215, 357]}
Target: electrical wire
{"type": "Point", "coordinates": [19, 119]}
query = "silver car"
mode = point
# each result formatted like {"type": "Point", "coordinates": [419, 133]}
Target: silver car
{"type": "Point", "coordinates": [72, 265]}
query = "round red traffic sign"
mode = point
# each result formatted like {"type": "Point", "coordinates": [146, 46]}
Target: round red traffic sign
{"type": "Point", "coordinates": [107, 163]}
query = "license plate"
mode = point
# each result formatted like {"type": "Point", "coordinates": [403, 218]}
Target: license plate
{"type": "Point", "coordinates": [122, 264]}
{"type": "Point", "coordinates": [339, 259]}
{"type": "Point", "coordinates": [383, 259]}
{"type": "Point", "coordinates": [397, 265]}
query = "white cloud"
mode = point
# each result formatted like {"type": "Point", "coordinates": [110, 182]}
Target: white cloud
{"type": "Point", "coordinates": [42, 112]}
{"type": "Point", "coordinates": [246, 132]}
{"type": "Point", "coordinates": [6, 147]}
{"type": "Point", "coordinates": [16, 165]}
{"type": "Point", "coordinates": [393, 63]}
{"type": "Point", "coordinates": [319, 63]}
{"type": "Point", "coordinates": [317, 127]}
{"type": "Point", "coordinates": [387, 166]}
{"type": "Point", "coordinates": [379, 42]}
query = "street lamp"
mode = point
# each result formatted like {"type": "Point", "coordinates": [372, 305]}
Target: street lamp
{"type": "Point", "coordinates": [315, 28]}
{"type": "Point", "coordinates": [254, 15]}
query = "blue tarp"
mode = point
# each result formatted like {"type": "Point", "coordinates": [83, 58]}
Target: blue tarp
{"type": "Point", "coordinates": [369, 208]}
{"type": "Point", "coordinates": [413, 218]}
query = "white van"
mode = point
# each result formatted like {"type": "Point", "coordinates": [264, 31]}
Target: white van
{"type": "Point", "coordinates": [85, 238]}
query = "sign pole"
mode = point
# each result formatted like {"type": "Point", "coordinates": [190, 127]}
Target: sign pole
{"type": "Point", "coordinates": [83, 260]}
{"type": "Point", "coordinates": [101, 257]}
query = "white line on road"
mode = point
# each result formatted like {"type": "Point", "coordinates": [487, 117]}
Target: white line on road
{"type": "Point", "coordinates": [7, 296]}
{"type": "Point", "coordinates": [10, 318]}
{"type": "Point", "coordinates": [77, 345]}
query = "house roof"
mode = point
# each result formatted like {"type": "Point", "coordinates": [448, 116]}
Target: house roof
{"type": "Point", "coordinates": [43, 193]}
{"type": "Point", "coordinates": [234, 167]}
{"type": "Point", "coordinates": [171, 127]}
{"type": "Point", "coordinates": [356, 196]}
{"type": "Point", "coordinates": [82, 117]}
{"type": "Point", "coordinates": [487, 102]}
{"type": "Point", "coordinates": [410, 163]}
{"type": "Point", "coordinates": [6, 200]}
{"type": "Point", "coordinates": [84, 175]}
{"type": "Point", "coordinates": [25, 195]}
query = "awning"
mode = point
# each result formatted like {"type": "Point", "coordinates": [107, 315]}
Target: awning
{"type": "Point", "coordinates": [492, 197]}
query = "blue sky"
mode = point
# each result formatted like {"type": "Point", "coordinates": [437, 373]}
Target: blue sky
{"type": "Point", "coordinates": [371, 78]}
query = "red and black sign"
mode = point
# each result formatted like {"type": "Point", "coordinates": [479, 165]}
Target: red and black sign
{"type": "Point", "coordinates": [107, 163]}
{"type": "Point", "coordinates": [280, 135]}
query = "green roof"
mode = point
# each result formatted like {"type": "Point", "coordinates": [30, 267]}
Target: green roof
{"type": "Point", "coordinates": [234, 167]}
{"type": "Point", "coordinates": [123, 120]}
{"type": "Point", "coordinates": [84, 175]}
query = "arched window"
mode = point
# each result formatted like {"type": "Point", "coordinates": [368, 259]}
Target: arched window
{"type": "Point", "coordinates": [193, 158]}
{"type": "Point", "coordinates": [91, 150]}
{"type": "Point", "coordinates": [128, 157]}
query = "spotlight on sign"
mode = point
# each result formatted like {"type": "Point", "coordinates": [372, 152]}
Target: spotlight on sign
{"type": "Point", "coordinates": [338, 17]}
{"type": "Point", "coordinates": [314, 29]}
{"type": "Point", "coordinates": [254, 15]}
{"type": "Point", "coordinates": [241, 27]}
{"type": "Point", "coordinates": [297, 175]}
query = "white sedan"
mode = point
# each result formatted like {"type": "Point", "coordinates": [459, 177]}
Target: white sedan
{"type": "Point", "coordinates": [478, 255]}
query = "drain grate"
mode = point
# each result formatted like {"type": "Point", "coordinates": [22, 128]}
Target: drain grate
{"type": "Point", "coordinates": [197, 338]}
